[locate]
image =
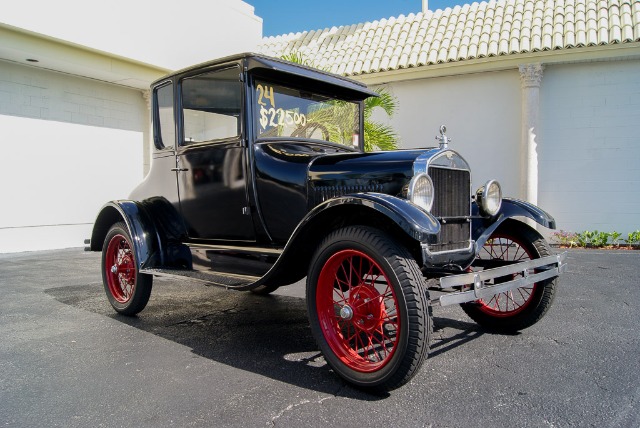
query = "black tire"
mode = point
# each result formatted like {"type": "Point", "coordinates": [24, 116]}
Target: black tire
{"type": "Point", "coordinates": [264, 290]}
{"type": "Point", "coordinates": [127, 289]}
{"type": "Point", "coordinates": [363, 287]}
{"type": "Point", "coordinates": [521, 308]}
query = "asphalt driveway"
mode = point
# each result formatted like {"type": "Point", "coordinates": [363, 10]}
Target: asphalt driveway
{"type": "Point", "coordinates": [201, 356]}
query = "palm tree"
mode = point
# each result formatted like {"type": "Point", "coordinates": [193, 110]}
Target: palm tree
{"type": "Point", "coordinates": [377, 135]}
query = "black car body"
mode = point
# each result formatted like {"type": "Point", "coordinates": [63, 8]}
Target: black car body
{"type": "Point", "coordinates": [259, 178]}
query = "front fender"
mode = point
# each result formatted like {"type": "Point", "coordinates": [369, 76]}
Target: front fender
{"type": "Point", "coordinates": [418, 224]}
{"type": "Point", "coordinates": [145, 238]}
{"type": "Point", "coordinates": [484, 227]}
{"type": "Point", "coordinates": [292, 264]}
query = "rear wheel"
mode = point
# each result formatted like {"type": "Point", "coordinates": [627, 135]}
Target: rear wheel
{"type": "Point", "coordinates": [522, 307]}
{"type": "Point", "coordinates": [368, 308]}
{"type": "Point", "coordinates": [127, 289]}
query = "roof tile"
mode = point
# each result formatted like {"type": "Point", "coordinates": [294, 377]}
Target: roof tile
{"type": "Point", "coordinates": [476, 30]}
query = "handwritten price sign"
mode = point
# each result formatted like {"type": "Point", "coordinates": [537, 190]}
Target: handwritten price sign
{"type": "Point", "coordinates": [270, 115]}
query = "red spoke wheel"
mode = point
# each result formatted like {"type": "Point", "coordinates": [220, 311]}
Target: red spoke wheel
{"type": "Point", "coordinates": [366, 298]}
{"type": "Point", "coordinates": [128, 291]}
{"type": "Point", "coordinates": [522, 307]}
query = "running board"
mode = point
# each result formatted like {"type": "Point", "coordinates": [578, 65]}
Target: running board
{"type": "Point", "coordinates": [230, 281]}
{"type": "Point", "coordinates": [553, 266]}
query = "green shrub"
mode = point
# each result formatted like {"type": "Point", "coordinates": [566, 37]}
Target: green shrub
{"type": "Point", "coordinates": [599, 239]}
{"type": "Point", "coordinates": [634, 238]}
{"type": "Point", "coordinates": [594, 238]}
{"type": "Point", "coordinates": [584, 238]}
{"type": "Point", "coordinates": [615, 238]}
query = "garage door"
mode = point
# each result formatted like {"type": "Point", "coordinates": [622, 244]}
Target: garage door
{"type": "Point", "coordinates": [56, 176]}
{"type": "Point", "coordinates": [590, 151]}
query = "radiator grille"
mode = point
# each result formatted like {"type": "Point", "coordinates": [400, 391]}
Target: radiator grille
{"type": "Point", "coordinates": [452, 206]}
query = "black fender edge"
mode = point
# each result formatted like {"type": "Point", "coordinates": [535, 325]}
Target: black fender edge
{"type": "Point", "coordinates": [146, 241]}
{"type": "Point", "coordinates": [484, 227]}
{"type": "Point", "coordinates": [415, 222]}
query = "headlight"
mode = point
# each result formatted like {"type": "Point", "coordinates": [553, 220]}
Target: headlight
{"type": "Point", "coordinates": [489, 197]}
{"type": "Point", "coordinates": [420, 191]}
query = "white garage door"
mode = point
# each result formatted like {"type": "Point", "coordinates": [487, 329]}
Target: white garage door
{"type": "Point", "coordinates": [55, 177]}
{"type": "Point", "coordinates": [590, 151]}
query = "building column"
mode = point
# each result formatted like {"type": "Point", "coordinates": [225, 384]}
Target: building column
{"type": "Point", "coordinates": [147, 135]}
{"type": "Point", "coordinates": [530, 79]}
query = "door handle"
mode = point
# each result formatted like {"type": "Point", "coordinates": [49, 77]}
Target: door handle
{"type": "Point", "coordinates": [179, 169]}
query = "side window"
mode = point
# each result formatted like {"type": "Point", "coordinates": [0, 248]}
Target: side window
{"type": "Point", "coordinates": [166, 119]}
{"type": "Point", "coordinates": [211, 106]}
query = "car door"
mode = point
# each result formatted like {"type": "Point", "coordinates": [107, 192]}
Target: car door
{"type": "Point", "coordinates": [211, 159]}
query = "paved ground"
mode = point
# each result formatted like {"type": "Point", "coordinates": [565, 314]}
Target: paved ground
{"type": "Point", "coordinates": [201, 356]}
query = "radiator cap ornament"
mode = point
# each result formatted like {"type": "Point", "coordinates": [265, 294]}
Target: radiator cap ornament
{"type": "Point", "coordinates": [444, 140]}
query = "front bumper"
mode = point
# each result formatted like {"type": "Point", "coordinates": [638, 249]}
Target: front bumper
{"type": "Point", "coordinates": [532, 271]}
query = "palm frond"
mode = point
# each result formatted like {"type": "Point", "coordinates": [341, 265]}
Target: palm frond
{"type": "Point", "coordinates": [385, 101]}
{"type": "Point", "coordinates": [378, 136]}
{"type": "Point", "coordinates": [296, 57]}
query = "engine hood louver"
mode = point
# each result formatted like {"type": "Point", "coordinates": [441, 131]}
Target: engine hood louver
{"type": "Point", "coordinates": [323, 193]}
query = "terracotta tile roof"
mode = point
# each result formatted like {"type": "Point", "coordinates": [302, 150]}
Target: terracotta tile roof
{"type": "Point", "coordinates": [477, 30]}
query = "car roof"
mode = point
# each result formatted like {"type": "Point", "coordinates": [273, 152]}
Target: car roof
{"type": "Point", "coordinates": [284, 71]}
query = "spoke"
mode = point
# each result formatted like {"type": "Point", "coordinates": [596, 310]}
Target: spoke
{"type": "Point", "coordinates": [505, 250]}
{"type": "Point", "coordinates": [503, 247]}
{"type": "Point", "coordinates": [340, 302]}
{"type": "Point", "coordinates": [493, 299]}
{"type": "Point", "coordinates": [527, 292]}
{"type": "Point", "coordinates": [376, 349]}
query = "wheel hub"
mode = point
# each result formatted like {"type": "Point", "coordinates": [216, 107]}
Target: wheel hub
{"type": "Point", "coordinates": [346, 313]}
{"type": "Point", "coordinates": [367, 306]}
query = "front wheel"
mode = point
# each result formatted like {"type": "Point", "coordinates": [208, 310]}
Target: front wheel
{"type": "Point", "coordinates": [127, 289]}
{"type": "Point", "coordinates": [517, 309]}
{"type": "Point", "coordinates": [368, 308]}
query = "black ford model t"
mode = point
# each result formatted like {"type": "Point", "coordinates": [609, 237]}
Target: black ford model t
{"type": "Point", "coordinates": [259, 179]}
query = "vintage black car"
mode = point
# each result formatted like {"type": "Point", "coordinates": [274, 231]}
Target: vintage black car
{"type": "Point", "coordinates": [259, 179]}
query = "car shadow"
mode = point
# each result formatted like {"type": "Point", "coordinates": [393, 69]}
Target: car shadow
{"type": "Point", "coordinates": [449, 334]}
{"type": "Point", "coordinates": [266, 335]}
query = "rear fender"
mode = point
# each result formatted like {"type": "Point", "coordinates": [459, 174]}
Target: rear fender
{"type": "Point", "coordinates": [146, 242]}
{"type": "Point", "coordinates": [484, 227]}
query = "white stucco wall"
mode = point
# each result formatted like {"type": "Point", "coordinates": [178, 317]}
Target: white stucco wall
{"type": "Point", "coordinates": [482, 115]}
{"type": "Point", "coordinates": [69, 145]}
{"type": "Point", "coordinates": [590, 152]}
{"type": "Point", "coordinates": [160, 32]}
{"type": "Point", "coordinates": [74, 143]}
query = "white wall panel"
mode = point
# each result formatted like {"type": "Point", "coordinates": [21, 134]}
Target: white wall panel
{"type": "Point", "coordinates": [160, 32]}
{"type": "Point", "coordinates": [589, 159]}
{"type": "Point", "coordinates": [482, 115]}
{"type": "Point", "coordinates": [42, 94]}
{"type": "Point", "coordinates": [68, 145]}
{"type": "Point", "coordinates": [58, 175]}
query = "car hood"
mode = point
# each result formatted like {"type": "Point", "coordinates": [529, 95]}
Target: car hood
{"type": "Point", "coordinates": [339, 174]}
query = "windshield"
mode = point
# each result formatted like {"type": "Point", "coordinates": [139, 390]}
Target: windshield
{"type": "Point", "coordinates": [285, 112]}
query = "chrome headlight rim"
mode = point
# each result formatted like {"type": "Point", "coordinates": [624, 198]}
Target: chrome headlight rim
{"type": "Point", "coordinates": [487, 200]}
{"type": "Point", "coordinates": [414, 195]}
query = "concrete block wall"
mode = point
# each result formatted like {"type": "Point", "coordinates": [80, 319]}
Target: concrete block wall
{"type": "Point", "coordinates": [69, 145]}
{"type": "Point", "coordinates": [39, 94]}
{"type": "Point", "coordinates": [589, 156]}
